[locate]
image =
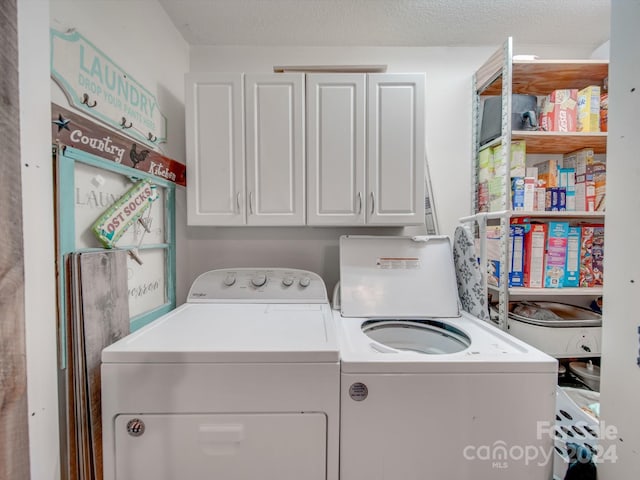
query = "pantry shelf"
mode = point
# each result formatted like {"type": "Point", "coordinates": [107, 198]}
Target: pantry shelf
{"type": "Point", "coordinates": [496, 162]}
{"type": "Point", "coordinates": [546, 292]}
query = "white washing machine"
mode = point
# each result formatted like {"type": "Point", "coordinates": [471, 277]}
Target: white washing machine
{"type": "Point", "coordinates": [241, 382]}
{"type": "Point", "coordinates": [427, 392]}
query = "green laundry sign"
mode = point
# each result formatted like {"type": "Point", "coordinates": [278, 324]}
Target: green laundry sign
{"type": "Point", "coordinates": [97, 86]}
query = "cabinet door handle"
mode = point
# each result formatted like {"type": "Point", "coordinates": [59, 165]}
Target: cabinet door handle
{"type": "Point", "coordinates": [238, 201]}
{"type": "Point", "coordinates": [359, 203]}
{"type": "Point", "coordinates": [250, 203]}
{"type": "Point", "coordinates": [372, 203]}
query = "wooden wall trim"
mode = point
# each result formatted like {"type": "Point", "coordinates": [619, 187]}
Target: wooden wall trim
{"type": "Point", "coordinates": [14, 428]}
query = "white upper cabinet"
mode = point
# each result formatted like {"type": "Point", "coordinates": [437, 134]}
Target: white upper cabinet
{"type": "Point", "coordinates": [396, 149]}
{"type": "Point", "coordinates": [336, 149]}
{"type": "Point", "coordinates": [215, 149]}
{"type": "Point", "coordinates": [248, 164]}
{"type": "Point", "coordinates": [275, 149]}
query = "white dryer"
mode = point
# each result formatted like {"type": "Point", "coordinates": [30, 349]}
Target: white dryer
{"type": "Point", "coordinates": [428, 392]}
{"type": "Point", "coordinates": [239, 383]}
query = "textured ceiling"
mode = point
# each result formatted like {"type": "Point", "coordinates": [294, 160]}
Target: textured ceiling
{"type": "Point", "coordinates": [390, 22]}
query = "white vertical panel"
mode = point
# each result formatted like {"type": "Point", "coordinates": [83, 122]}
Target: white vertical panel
{"type": "Point", "coordinates": [215, 153]}
{"type": "Point", "coordinates": [396, 148]}
{"type": "Point", "coordinates": [335, 149]}
{"type": "Point", "coordinates": [275, 149]}
{"type": "Point", "coordinates": [620, 385]}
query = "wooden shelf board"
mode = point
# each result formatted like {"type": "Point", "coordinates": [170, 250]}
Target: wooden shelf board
{"type": "Point", "coordinates": [541, 77]}
{"type": "Point", "coordinates": [561, 142]}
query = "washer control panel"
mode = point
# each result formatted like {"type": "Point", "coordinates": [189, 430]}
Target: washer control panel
{"type": "Point", "coordinates": [258, 285]}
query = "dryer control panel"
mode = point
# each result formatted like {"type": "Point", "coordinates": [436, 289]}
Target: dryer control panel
{"type": "Point", "coordinates": [258, 285]}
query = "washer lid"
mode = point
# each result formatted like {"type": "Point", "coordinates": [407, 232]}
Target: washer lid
{"type": "Point", "coordinates": [232, 333]}
{"type": "Point", "coordinates": [397, 277]}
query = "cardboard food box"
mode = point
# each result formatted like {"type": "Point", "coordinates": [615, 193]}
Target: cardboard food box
{"type": "Point", "coordinates": [517, 193]}
{"type": "Point", "coordinates": [540, 199]}
{"type": "Point", "coordinates": [597, 255]}
{"type": "Point", "coordinates": [585, 193]}
{"type": "Point", "coordinates": [567, 180]}
{"type": "Point", "coordinates": [534, 244]}
{"type": "Point", "coordinates": [496, 187]}
{"type": "Point", "coordinates": [493, 255]}
{"type": "Point", "coordinates": [485, 164]}
{"type": "Point", "coordinates": [579, 160]}
{"type": "Point", "coordinates": [556, 256]}
{"type": "Point", "coordinates": [499, 164]}
{"type": "Point", "coordinates": [516, 256]}
{"type": "Point", "coordinates": [483, 197]}
{"type": "Point", "coordinates": [559, 112]}
{"type": "Point", "coordinates": [589, 109]}
{"type": "Point", "coordinates": [599, 172]}
{"type": "Point", "coordinates": [518, 158]}
{"type": "Point", "coordinates": [572, 272]}
{"type": "Point", "coordinates": [548, 173]}
{"type": "Point", "coordinates": [586, 257]}
{"type": "Point", "coordinates": [529, 193]}
{"type": "Point", "coordinates": [604, 112]}
{"type": "Point", "coordinates": [592, 255]}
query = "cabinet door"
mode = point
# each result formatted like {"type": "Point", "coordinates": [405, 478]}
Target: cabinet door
{"type": "Point", "coordinates": [275, 149]}
{"type": "Point", "coordinates": [396, 149]}
{"type": "Point", "coordinates": [335, 149]}
{"type": "Point", "coordinates": [215, 149]}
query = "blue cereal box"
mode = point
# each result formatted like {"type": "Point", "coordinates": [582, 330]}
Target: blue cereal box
{"type": "Point", "coordinates": [516, 256]}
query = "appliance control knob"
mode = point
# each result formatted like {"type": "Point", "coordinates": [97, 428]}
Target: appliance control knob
{"type": "Point", "coordinates": [259, 280]}
{"type": "Point", "coordinates": [304, 282]}
{"type": "Point", "coordinates": [229, 280]}
{"type": "Point", "coordinates": [287, 281]}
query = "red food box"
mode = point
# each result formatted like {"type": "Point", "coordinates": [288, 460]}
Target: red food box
{"type": "Point", "coordinates": [604, 112]}
{"type": "Point", "coordinates": [559, 111]}
{"type": "Point", "coordinates": [535, 238]}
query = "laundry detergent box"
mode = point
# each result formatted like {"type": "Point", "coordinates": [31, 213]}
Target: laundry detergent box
{"type": "Point", "coordinates": [589, 109]}
{"type": "Point", "coordinates": [556, 255]}
{"type": "Point", "coordinates": [572, 269]}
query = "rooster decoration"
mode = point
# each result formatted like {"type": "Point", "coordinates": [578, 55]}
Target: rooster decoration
{"type": "Point", "coordinates": [137, 157]}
